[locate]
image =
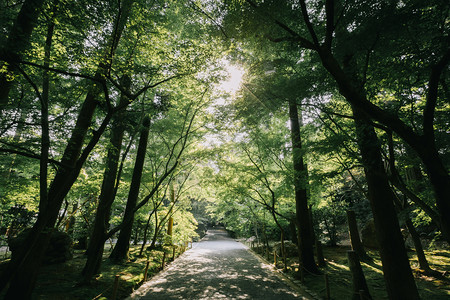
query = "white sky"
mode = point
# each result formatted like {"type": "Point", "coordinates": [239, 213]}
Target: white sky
{"type": "Point", "coordinates": [233, 82]}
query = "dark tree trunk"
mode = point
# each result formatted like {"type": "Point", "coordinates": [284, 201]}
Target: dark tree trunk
{"type": "Point", "coordinates": [423, 145]}
{"type": "Point", "coordinates": [144, 238]}
{"type": "Point", "coordinates": [155, 234]}
{"type": "Point", "coordinates": [358, 279]}
{"type": "Point", "coordinates": [107, 194]}
{"type": "Point", "coordinates": [293, 231]}
{"type": "Point", "coordinates": [397, 272]}
{"type": "Point", "coordinates": [440, 180]}
{"type": "Point", "coordinates": [354, 237]}
{"type": "Point", "coordinates": [305, 240]}
{"type": "Point", "coordinates": [45, 136]}
{"type": "Point", "coordinates": [423, 263]}
{"type": "Point", "coordinates": [17, 42]}
{"type": "Point", "coordinates": [120, 252]}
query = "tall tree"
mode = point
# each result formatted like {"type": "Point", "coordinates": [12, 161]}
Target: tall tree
{"type": "Point", "coordinates": [108, 191]}
{"type": "Point", "coordinates": [21, 272]}
{"type": "Point", "coordinates": [120, 252]}
{"type": "Point", "coordinates": [396, 270]}
{"type": "Point", "coordinates": [305, 238]}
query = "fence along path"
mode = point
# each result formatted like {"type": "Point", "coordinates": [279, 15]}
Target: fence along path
{"type": "Point", "coordinates": [217, 267]}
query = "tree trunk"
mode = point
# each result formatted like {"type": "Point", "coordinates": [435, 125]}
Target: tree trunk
{"type": "Point", "coordinates": [155, 234]}
{"type": "Point", "coordinates": [423, 263]}
{"type": "Point", "coordinates": [397, 272]}
{"type": "Point", "coordinates": [21, 273]}
{"type": "Point", "coordinates": [305, 244]}
{"type": "Point", "coordinates": [107, 194]}
{"type": "Point", "coordinates": [45, 135]}
{"type": "Point", "coordinates": [17, 42]}
{"type": "Point", "coordinates": [120, 252]}
{"type": "Point", "coordinates": [358, 279]}
{"type": "Point", "coordinates": [440, 180]}
{"type": "Point", "coordinates": [423, 145]}
{"type": "Point", "coordinates": [354, 237]}
{"type": "Point", "coordinates": [397, 181]}
{"type": "Point", "coordinates": [144, 238]}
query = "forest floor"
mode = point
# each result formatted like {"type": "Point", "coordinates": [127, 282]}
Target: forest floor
{"type": "Point", "coordinates": [59, 281]}
{"type": "Point", "coordinates": [339, 276]}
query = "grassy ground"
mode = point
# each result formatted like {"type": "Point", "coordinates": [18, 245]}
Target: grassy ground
{"type": "Point", "coordinates": [339, 276]}
{"type": "Point", "coordinates": [59, 281]}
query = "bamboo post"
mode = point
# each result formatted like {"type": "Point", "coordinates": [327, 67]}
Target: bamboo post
{"type": "Point", "coordinates": [115, 287]}
{"type": "Point", "coordinates": [327, 286]}
{"type": "Point", "coordinates": [146, 271]}
{"type": "Point", "coordinates": [358, 279]}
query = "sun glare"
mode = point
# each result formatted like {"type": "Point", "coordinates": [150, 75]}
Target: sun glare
{"type": "Point", "coordinates": [234, 78]}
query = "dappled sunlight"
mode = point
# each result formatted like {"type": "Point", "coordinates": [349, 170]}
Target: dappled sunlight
{"type": "Point", "coordinates": [218, 267]}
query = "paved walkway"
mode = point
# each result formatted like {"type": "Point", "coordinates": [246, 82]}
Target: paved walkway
{"type": "Point", "coordinates": [218, 267]}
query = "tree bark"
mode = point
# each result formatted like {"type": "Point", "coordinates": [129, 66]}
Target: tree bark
{"type": "Point", "coordinates": [107, 194]}
{"type": "Point", "coordinates": [120, 252]}
{"type": "Point", "coordinates": [354, 236]}
{"type": "Point", "coordinates": [396, 270]}
{"type": "Point", "coordinates": [358, 279]}
{"type": "Point", "coordinates": [144, 239]}
{"type": "Point", "coordinates": [45, 135]}
{"type": "Point", "coordinates": [305, 241]}
{"type": "Point", "coordinates": [423, 263]}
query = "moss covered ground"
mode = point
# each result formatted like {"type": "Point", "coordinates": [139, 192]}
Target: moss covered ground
{"type": "Point", "coordinates": [339, 277]}
{"type": "Point", "coordinates": [60, 281]}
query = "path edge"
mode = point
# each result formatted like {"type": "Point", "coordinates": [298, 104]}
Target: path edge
{"type": "Point", "coordinates": [294, 284]}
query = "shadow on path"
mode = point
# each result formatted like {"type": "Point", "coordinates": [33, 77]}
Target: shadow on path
{"type": "Point", "coordinates": [217, 267]}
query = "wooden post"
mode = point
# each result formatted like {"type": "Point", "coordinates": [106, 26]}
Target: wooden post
{"type": "Point", "coordinates": [146, 271]}
{"type": "Point", "coordinates": [115, 287]}
{"type": "Point", "coordinates": [327, 286]}
{"type": "Point", "coordinates": [358, 279]}
{"type": "Point", "coordinates": [320, 258]}
{"type": "Point", "coordinates": [275, 258]}
{"type": "Point", "coordinates": [173, 252]}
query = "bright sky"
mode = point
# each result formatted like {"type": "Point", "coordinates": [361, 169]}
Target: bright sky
{"type": "Point", "coordinates": [230, 85]}
{"type": "Point", "coordinates": [235, 74]}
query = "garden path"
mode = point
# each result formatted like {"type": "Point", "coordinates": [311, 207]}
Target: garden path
{"type": "Point", "coordinates": [219, 267]}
